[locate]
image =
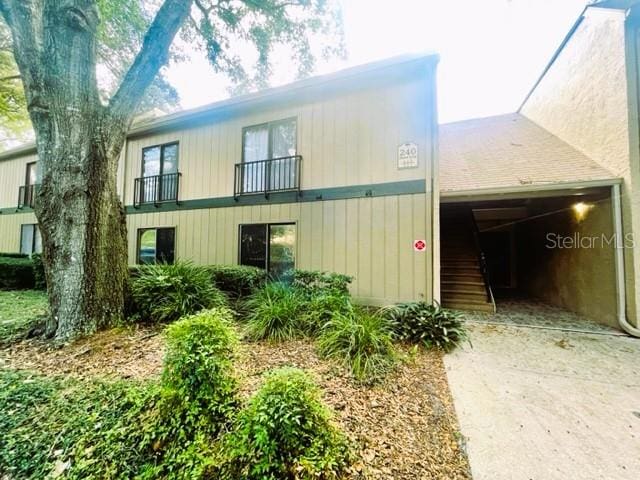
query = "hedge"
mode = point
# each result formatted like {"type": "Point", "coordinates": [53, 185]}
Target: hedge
{"type": "Point", "coordinates": [16, 273]}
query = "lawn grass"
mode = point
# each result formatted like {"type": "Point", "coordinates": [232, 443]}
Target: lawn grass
{"type": "Point", "coordinates": [19, 310]}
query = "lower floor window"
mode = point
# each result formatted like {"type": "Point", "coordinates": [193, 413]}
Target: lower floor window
{"type": "Point", "coordinates": [30, 240]}
{"type": "Point", "coordinates": [271, 246]}
{"type": "Point", "coordinates": [156, 245]}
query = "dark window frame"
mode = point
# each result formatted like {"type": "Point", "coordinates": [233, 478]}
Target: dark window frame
{"type": "Point", "coordinates": [270, 125]}
{"type": "Point", "coordinates": [36, 228]}
{"type": "Point", "coordinates": [268, 226]}
{"type": "Point", "coordinates": [27, 178]}
{"type": "Point", "coordinates": [139, 234]}
{"type": "Point", "coordinates": [162, 147]}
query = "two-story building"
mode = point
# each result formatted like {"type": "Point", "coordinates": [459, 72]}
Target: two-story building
{"type": "Point", "coordinates": [334, 173]}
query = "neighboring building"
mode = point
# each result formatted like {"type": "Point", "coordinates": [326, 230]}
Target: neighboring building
{"type": "Point", "coordinates": [331, 173]}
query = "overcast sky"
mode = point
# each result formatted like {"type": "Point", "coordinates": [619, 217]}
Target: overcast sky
{"type": "Point", "coordinates": [491, 51]}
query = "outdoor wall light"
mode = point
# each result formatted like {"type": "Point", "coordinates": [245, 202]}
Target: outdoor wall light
{"type": "Point", "coordinates": [581, 209]}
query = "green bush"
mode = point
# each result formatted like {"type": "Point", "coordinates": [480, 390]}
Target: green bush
{"type": "Point", "coordinates": [430, 325]}
{"type": "Point", "coordinates": [237, 280]}
{"type": "Point", "coordinates": [16, 273]}
{"type": "Point", "coordinates": [314, 282]}
{"type": "Point", "coordinates": [321, 307]}
{"type": "Point", "coordinates": [284, 433]}
{"type": "Point", "coordinates": [198, 369]}
{"type": "Point", "coordinates": [361, 340]}
{"type": "Point", "coordinates": [13, 255]}
{"type": "Point", "coordinates": [166, 292]}
{"type": "Point", "coordinates": [275, 312]}
{"type": "Point", "coordinates": [40, 280]}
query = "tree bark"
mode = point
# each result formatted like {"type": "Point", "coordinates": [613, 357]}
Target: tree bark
{"type": "Point", "coordinates": [79, 141]}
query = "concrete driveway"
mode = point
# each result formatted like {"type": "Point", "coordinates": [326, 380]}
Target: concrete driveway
{"type": "Point", "coordinates": [544, 404]}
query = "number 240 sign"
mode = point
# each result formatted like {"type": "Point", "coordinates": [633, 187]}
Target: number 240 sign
{"type": "Point", "coordinates": [408, 155]}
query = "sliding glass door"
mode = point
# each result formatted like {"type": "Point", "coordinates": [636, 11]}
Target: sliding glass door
{"type": "Point", "coordinates": [268, 246]}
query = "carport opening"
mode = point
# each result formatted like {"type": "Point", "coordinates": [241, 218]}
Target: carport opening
{"type": "Point", "coordinates": [509, 255]}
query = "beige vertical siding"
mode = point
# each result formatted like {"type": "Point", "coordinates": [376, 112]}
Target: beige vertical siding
{"type": "Point", "coordinates": [10, 230]}
{"type": "Point", "coordinates": [347, 139]}
{"type": "Point", "coordinates": [12, 176]}
{"type": "Point", "coordinates": [368, 238]}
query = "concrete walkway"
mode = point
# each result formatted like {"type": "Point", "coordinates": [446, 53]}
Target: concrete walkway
{"type": "Point", "coordinates": [542, 404]}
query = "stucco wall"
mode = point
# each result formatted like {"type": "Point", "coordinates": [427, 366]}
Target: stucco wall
{"type": "Point", "coordinates": [565, 262]}
{"type": "Point", "coordinates": [584, 100]}
{"type": "Point", "coordinates": [368, 238]}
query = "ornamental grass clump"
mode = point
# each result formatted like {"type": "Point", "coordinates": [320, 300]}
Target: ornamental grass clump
{"type": "Point", "coordinates": [274, 313]}
{"type": "Point", "coordinates": [166, 292]}
{"type": "Point", "coordinates": [426, 324]}
{"type": "Point", "coordinates": [284, 433]}
{"type": "Point", "coordinates": [362, 341]}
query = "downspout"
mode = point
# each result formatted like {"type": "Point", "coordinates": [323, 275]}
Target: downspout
{"type": "Point", "coordinates": [619, 263]}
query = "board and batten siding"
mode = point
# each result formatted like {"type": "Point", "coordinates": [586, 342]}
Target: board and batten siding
{"type": "Point", "coordinates": [10, 230]}
{"type": "Point", "coordinates": [368, 238]}
{"type": "Point", "coordinates": [347, 138]}
{"type": "Point", "coordinates": [13, 174]}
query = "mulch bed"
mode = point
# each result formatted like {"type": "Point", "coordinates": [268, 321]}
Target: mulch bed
{"type": "Point", "coordinates": [405, 427]}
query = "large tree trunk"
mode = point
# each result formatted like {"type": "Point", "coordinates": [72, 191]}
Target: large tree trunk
{"type": "Point", "coordinates": [84, 238]}
{"type": "Point", "coordinates": [79, 140]}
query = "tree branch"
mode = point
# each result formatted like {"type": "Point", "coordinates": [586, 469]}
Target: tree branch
{"type": "Point", "coordinates": [153, 55]}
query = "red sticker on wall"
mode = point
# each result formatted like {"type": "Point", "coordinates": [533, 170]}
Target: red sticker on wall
{"type": "Point", "coordinates": [419, 245]}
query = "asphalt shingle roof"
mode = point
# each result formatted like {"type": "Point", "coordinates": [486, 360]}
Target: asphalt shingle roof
{"type": "Point", "coordinates": [509, 151]}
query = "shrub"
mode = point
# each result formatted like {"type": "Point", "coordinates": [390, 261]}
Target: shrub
{"type": "Point", "coordinates": [275, 312]}
{"type": "Point", "coordinates": [237, 280]}
{"type": "Point", "coordinates": [430, 325]}
{"type": "Point", "coordinates": [16, 273]}
{"type": "Point", "coordinates": [40, 281]}
{"type": "Point", "coordinates": [313, 282]}
{"type": "Point", "coordinates": [285, 433]}
{"type": "Point", "coordinates": [164, 293]}
{"type": "Point", "coordinates": [321, 307]}
{"type": "Point", "coordinates": [198, 368]}
{"type": "Point", "coordinates": [362, 341]}
{"type": "Point", "coordinates": [13, 255]}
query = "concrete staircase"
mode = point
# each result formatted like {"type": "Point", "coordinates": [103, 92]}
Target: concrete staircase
{"type": "Point", "coordinates": [462, 283]}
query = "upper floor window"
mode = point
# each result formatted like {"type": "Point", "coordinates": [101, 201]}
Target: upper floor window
{"type": "Point", "coordinates": [26, 192]}
{"type": "Point", "coordinates": [30, 240]}
{"type": "Point", "coordinates": [160, 177]}
{"type": "Point", "coordinates": [269, 140]}
{"type": "Point", "coordinates": [269, 158]}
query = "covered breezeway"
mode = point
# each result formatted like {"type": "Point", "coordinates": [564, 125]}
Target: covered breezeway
{"type": "Point", "coordinates": [539, 255]}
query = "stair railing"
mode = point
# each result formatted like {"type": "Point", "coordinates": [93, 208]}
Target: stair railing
{"type": "Point", "coordinates": [482, 258]}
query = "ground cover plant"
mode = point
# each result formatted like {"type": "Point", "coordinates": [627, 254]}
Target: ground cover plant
{"type": "Point", "coordinates": [166, 292]}
{"type": "Point", "coordinates": [426, 324]}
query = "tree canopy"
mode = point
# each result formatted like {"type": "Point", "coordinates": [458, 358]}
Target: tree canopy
{"type": "Point", "coordinates": [224, 30]}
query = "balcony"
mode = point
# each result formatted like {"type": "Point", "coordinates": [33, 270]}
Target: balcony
{"type": "Point", "coordinates": [26, 196]}
{"type": "Point", "coordinates": [156, 189]}
{"type": "Point", "coordinates": [267, 176]}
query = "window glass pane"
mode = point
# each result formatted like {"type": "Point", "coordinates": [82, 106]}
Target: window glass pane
{"type": "Point", "coordinates": [282, 248]}
{"type": "Point", "coordinates": [147, 246]}
{"type": "Point", "coordinates": [38, 240]}
{"type": "Point", "coordinates": [32, 174]}
{"type": "Point", "coordinates": [150, 161]}
{"type": "Point", "coordinates": [165, 245]}
{"type": "Point", "coordinates": [170, 158]}
{"type": "Point", "coordinates": [283, 138]}
{"type": "Point", "coordinates": [255, 148]}
{"type": "Point", "coordinates": [26, 239]}
{"type": "Point", "coordinates": [253, 245]}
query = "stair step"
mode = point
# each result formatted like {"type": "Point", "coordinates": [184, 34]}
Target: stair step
{"type": "Point", "coordinates": [464, 295]}
{"type": "Point", "coordinates": [469, 306]}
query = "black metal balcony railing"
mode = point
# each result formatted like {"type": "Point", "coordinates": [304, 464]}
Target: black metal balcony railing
{"type": "Point", "coordinates": [26, 196]}
{"type": "Point", "coordinates": [267, 176]}
{"type": "Point", "coordinates": [156, 189]}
